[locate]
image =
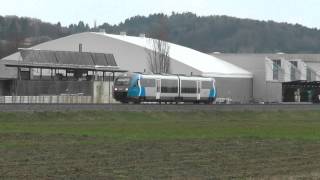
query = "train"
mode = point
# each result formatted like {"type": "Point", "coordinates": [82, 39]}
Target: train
{"type": "Point", "coordinates": [139, 87]}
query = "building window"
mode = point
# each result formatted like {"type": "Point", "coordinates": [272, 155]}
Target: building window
{"type": "Point", "coordinates": [294, 65]}
{"type": "Point", "coordinates": [276, 69]}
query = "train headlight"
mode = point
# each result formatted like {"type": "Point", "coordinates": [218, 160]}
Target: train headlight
{"type": "Point", "coordinates": [127, 89]}
{"type": "Point", "coordinates": [116, 89]}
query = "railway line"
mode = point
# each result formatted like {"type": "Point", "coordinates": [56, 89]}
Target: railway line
{"type": "Point", "coordinates": [156, 107]}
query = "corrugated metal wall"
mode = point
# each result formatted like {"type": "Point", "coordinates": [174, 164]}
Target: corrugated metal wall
{"type": "Point", "coordinates": [238, 89]}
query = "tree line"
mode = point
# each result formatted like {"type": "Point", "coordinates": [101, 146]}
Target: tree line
{"type": "Point", "coordinates": [204, 33]}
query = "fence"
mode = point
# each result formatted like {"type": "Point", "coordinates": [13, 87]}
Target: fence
{"type": "Point", "coordinates": [62, 99]}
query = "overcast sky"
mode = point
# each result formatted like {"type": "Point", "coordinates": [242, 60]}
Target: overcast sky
{"type": "Point", "coordinates": [305, 12]}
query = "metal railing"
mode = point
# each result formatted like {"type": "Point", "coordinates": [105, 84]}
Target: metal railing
{"type": "Point", "coordinates": [61, 99]}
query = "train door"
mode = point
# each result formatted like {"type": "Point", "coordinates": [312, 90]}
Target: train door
{"type": "Point", "coordinates": [206, 87]}
{"type": "Point", "coordinates": [158, 89]}
{"type": "Point", "coordinates": [198, 90]}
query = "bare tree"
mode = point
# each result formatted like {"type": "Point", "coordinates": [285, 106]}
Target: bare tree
{"type": "Point", "coordinates": [158, 56]}
{"type": "Point", "coordinates": [159, 49]}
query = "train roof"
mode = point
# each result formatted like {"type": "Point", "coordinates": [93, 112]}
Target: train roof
{"type": "Point", "coordinates": [173, 76]}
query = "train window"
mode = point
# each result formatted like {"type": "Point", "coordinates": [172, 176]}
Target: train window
{"type": "Point", "coordinates": [148, 82]}
{"type": "Point", "coordinates": [169, 86]}
{"type": "Point", "coordinates": [206, 85]}
{"type": "Point", "coordinates": [188, 87]}
{"type": "Point", "coordinates": [122, 81]}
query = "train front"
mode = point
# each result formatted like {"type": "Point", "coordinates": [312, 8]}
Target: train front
{"type": "Point", "coordinates": [121, 87]}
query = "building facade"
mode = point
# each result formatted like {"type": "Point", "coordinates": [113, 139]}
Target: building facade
{"type": "Point", "coordinates": [280, 77]}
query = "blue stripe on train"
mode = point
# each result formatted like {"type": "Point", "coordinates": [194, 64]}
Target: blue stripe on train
{"type": "Point", "coordinates": [134, 90]}
{"type": "Point", "coordinates": [212, 93]}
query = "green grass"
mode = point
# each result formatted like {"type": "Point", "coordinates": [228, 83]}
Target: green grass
{"type": "Point", "coordinates": [160, 145]}
{"type": "Point", "coordinates": [166, 125]}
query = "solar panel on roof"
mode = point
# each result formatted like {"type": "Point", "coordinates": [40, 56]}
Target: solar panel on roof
{"type": "Point", "coordinates": [110, 59]}
{"type": "Point", "coordinates": [48, 57]}
{"type": "Point", "coordinates": [64, 57]}
{"type": "Point", "coordinates": [28, 56]}
{"type": "Point", "coordinates": [68, 58]}
{"type": "Point", "coordinates": [99, 59]}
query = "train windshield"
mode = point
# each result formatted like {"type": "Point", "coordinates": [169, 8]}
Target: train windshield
{"type": "Point", "coordinates": [122, 81]}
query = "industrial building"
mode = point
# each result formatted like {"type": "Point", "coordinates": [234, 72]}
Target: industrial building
{"type": "Point", "coordinates": [65, 65]}
{"type": "Point", "coordinates": [130, 53]}
{"type": "Point", "coordinates": [280, 77]}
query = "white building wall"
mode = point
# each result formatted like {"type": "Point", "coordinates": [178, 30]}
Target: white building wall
{"type": "Point", "coordinates": [286, 66]}
{"type": "Point", "coordinates": [269, 69]}
{"type": "Point", "coordinates": [302, 66]}
{"type": "Point", "coordinates": [315, 67]}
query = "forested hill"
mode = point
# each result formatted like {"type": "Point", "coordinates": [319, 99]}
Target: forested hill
{"type": "Point", "coordinates": [203, 33]}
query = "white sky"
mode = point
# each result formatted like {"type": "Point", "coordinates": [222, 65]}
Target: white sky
{"type": "Point", "coordinates": [305, 12]}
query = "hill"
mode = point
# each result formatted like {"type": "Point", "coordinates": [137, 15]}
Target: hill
{"type": "Point", "coordinates": [203, 33]}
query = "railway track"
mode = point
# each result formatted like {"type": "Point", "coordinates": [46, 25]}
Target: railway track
{"type": "Point", "coordinates": [156, 107]}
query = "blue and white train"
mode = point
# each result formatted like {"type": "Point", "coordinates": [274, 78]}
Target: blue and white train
{"type": "Point", "coordinates": [138, 88]}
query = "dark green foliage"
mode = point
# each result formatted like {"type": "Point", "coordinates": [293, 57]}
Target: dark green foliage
{"type": "Point", "coordinates": [226, 34]}
{"type": "Point", "coordinates": [204, 33]}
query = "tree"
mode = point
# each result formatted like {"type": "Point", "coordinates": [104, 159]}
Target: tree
{"type": "Point", "coordinates": [158, 56]}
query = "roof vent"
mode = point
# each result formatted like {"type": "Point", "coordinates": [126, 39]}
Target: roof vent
{"type": "Point", "coordinates": [123, 33]}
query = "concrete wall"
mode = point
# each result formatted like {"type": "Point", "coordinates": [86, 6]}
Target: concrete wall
{"type": "Point", "coordinates": [102, 92]}
{"type": "Point", "coordinates": [7, 73]}
{"type": "Point", "coordinates": [273, 92]}
{"type": "Point", "coordinates": [239, 90]}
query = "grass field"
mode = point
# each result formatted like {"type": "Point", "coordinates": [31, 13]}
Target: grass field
{"type": "Point", "coordinates": [160, 145]}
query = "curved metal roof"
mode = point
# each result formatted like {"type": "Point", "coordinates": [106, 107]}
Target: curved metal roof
{"type": "Point", "coordinates": [208, 65]}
